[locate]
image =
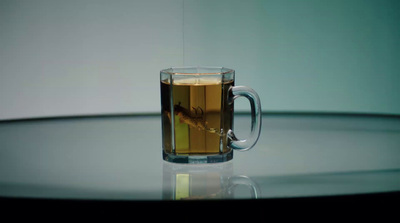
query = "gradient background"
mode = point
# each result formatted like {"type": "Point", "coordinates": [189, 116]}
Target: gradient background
{"type": "Point", "coordinates": [83, 57]}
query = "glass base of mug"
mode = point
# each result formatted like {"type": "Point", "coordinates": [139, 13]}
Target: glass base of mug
{"type": "Point", "coordinates": [195, 159]}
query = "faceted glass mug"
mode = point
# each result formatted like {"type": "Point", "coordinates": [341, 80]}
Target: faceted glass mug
{"type": "Point", "coordinates": [197, 114]}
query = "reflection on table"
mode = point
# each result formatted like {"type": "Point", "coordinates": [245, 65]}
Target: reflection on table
{"type": "Point", "coordinates": [212, 181]}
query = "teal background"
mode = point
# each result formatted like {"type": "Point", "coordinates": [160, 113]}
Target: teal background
{"type": "Point", "coordinates": [90, 57]}
{"type": "Point", "coordinates": [309, 55]}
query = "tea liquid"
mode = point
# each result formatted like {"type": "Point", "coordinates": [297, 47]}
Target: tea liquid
{"type": "Point", "coordinates": [202, 117]}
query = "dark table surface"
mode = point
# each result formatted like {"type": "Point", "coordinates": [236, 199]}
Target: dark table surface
{"type": "Point", "coordinates": [119, 158]}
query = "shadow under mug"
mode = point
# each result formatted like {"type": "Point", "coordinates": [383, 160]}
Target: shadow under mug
{"type": "Point", "coordinates": [197, 114]}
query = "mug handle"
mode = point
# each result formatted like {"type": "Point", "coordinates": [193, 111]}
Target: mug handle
{"type": "Point", "coordinates": [255, 191]}
{"type": "Point", "coordinates": [246, 144]}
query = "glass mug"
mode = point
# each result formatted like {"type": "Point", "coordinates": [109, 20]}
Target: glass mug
{"type": "Point", "coordinates": [197, 114]}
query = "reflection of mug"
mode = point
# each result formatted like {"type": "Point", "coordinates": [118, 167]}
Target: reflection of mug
{"type": "Point", "coordinates": [197, 114]}
{"type": "Point", "coordinates": [188, 182]}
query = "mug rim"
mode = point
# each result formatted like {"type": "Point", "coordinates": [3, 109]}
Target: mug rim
{"type": "Point", "coordinates": [223, 70]}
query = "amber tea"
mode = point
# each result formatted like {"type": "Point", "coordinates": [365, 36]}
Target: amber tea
{"type": "Point", "coordinates": [201, 116]}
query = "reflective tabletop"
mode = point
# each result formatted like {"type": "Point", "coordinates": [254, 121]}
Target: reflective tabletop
{"type": "Point", "coordinates": [120, 158]}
